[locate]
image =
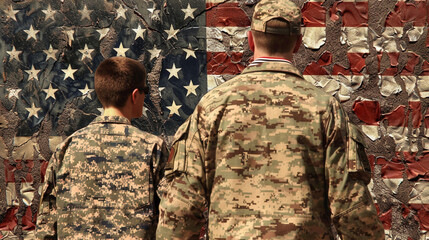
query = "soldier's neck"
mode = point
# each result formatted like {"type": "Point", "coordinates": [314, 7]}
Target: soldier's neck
{"type": "Point", "coordinates": [112, 111]}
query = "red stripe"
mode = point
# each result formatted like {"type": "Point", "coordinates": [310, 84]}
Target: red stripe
{"type": "Point", "coordinates": [422, 211]}
{"type": "Point", "coordinates": [43, 167]}
{"type": "Point", "coordinates": [354, 14]}
{"type": "Point", "coordinates": [396, 118]}
{"type": "Point", "coordinates": [9, 171]}
{"type": "Point", "coordinates": [415, 167]}
{"type": "Point", "coordinates": [385, 217]}
{"type": "Point", "coordinates": [220, 63]}
{"type": "Point", "coordinates": [405, 12]}
{"type": "Point", "coordinates": [357, 63]}
{"type": "Point", "coordinates": [29, 220]}
{"type": "Point", "coordinates": [367, 111]}
{"type": "Point", "coordinates": [226, 15]}
{"type": "Point", "coordinates": [314, 14]}
{"type": "Point", "coordinates": [425, 67]}
{"type": "Point", "coordinates": [412, 61]}
{"type": "Point", "coordinates": [422, 215]}
{"type": "Point", "coordinates": [9, 221]}
{"type": "Point", "coordinates": [416, 113]}
{"type": "Point", "coordinates": [370, 113]}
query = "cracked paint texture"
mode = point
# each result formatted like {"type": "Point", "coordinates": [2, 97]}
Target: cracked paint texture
{"type": "Point", "coordinates": [372, 55]}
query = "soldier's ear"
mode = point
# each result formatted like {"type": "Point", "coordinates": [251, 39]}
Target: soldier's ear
{"type": "Point", "coordinates": [134, 96]}
{"type": "Point", "coordinates": [251, 41]}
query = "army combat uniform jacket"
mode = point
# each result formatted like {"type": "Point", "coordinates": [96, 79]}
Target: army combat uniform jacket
{"type": "Point", "coordinates": [100, 183]}
{"type": "Point", "coordinates": [271, 157]}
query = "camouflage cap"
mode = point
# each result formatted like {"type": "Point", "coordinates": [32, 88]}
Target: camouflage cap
{"type": "Point", "coordinates": [267, 10]}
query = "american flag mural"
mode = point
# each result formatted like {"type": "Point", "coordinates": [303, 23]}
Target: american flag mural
{"type": "Point", "coordinates": [372, 55]}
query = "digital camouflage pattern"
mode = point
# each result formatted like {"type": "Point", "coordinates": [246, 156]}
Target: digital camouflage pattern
{"type": "Point", "coordinates": [267, 10]}
{"type": "Point", "coordinates": [272, 157]}
{"type": "Point", "coordinates": [100, 183]}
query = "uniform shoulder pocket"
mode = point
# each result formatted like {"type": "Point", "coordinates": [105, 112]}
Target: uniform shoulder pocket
{"type": "Point", "coordinates": [356, 156]}
{"type": "Point", "coordinates": [177, 158]}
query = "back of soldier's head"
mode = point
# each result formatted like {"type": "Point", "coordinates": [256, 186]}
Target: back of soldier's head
{"type": "Point", "coordinates": [116, 78]}
{"type": "Point", "coordinates": [276, 24]}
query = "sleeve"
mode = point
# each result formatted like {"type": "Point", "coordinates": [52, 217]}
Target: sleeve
{"type": "Point", "coordinates": [183, 190]}
{"type": "Point", "coordinates": [46, 225]}
{"type": "Point", "coordinates": [347, 174]}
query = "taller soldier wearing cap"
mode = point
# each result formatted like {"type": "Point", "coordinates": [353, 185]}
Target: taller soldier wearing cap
{"type": "Point", "coordinates": [268, 154]}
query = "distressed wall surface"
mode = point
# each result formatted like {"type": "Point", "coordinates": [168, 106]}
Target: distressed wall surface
{"type": "Point", "coordinates": [372, 55]}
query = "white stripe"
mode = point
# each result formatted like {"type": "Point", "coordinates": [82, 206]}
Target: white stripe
{"type": "Point", "coordinates": [420, 193]}
{"type": "Point", "coordinates": [387, 41]}
{"type": "Point", "coordinates": [356, 39]}
{"type": "Point", "coordinates": [11, 197]}
{"type": "Point", "coordinates": [389, 86]}
{"type": "Point", "coordinates": [214, 81]}
{"type": "Point", "coordinates": [24, 148]}
{"type": "Point", "coordinates": [313, 37]}
{"type": "Point", "coordinates": [423, 86]}
{"type": "Point", "coordinates": [400, 136]}
{"type": "Point", "coordinates": [27, 192]}
{"type": "Point", "coordinates": [237, 43]}
{"type": "Point", "coordinates": [371, 131]}
{"type": "Point", "coordinates": [222, 1]}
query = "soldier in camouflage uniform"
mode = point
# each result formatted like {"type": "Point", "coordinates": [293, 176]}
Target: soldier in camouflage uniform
{"type": "Point", "coordinates": [268, 154]}
{"type": "Point", "coordinates": [101, 181]}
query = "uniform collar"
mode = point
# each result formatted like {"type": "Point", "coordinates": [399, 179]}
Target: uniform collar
{"type": "Point", "coordinates": [111, 119]}
{"type": "Point", "coordinates": [272, 65]}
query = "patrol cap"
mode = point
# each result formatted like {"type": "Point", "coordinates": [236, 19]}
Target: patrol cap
{"type": "Point", "coordinates": [267, 10]}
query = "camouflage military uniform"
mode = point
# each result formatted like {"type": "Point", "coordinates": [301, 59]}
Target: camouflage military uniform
{"type": "Point", "coordinates": [272, 157]}
{"type": "Point", "coordinates": [100, 183]}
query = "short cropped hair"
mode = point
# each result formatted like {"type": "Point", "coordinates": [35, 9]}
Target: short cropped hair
{"type": "Point", "coordinates": [275, 43]}
{"type": "Point", "coordinates": [116, 78]}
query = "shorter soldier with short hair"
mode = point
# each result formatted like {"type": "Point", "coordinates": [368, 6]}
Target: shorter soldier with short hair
{"type": "Point", "coordinates": [101, 181]}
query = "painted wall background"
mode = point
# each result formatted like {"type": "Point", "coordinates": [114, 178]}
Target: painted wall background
{"type": "Point", "coordinates": [372, 55]}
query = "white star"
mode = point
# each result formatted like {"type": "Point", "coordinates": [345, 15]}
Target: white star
{"type": "Point", "coordinates": [139, 32]}
{"type": "Point", "coordinates": [86, 92]}
{"type": "Point", "coordinates": [85, 13]}
{"type": "Point", "coordinates": [11, 13]}
{"type": "Point", "coordinates": [154, 52]}
{"type": "Point", "coordinates": [31, 33]}
{"type": "Point", "coordinates": [150, 9]}
{"type": "Point", "coordinates": [14, 54]}
{"type": "Point", "coordinates": [50, 53]}
{"type": "Point", "coordinates": [171, 33]}
{"type": "Point", "coordinates": [121, 12]}
{"type": "Point", "coordinates": [101, 110]}
{"type": "Point", "coordinates": [49, 13]}
{"type": "Point", "coordinates": [121, 50]}
{"type": "Point", "coordinates": [69, 72]}
{"type": "Point", "coordinates": [86, 52]}
{"type": "Point", "coordinates": [160, 90]}
{"type": "Point", "coordinates": [174, 109]}
{"type": "Point", "coordinates": [174, 71]}
{"type": "Point", "coordinates": [14, 92]}
{"type": "Point", "coordinates": [191, 88]}
{"type": "Point", "coordinates": [189, 12]}
{"type": "Point", "coordinates": [32, 73]}
{"type": "Point", "coordinates": [32, 111]}
{"type": "Point", "coordinates": [50, 92]}
{"type": "Point", "coordinates": [103, 32]}
{"type": "Point", "coordinates": [189, 52]}
{"type": "Point", "coordinates": [70, 37]}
